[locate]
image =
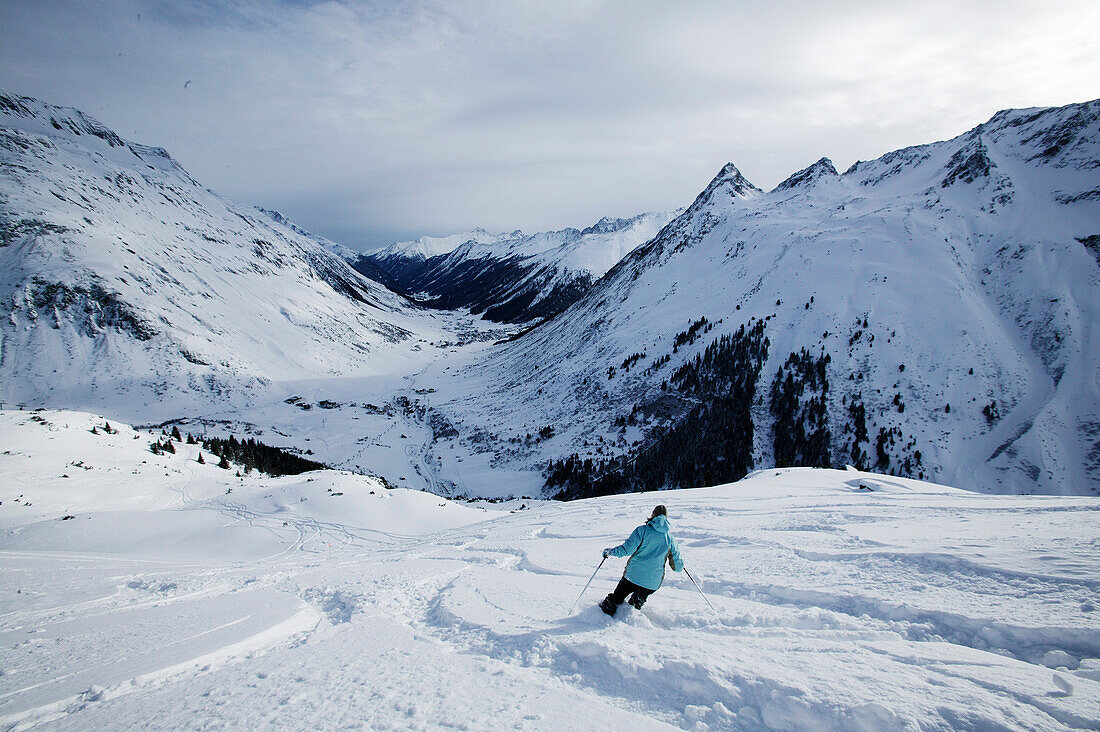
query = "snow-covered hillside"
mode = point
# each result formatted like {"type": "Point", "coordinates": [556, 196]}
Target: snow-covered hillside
{"type": "Point", "coordinates": [179, 595]}
{"type": "Point", "coordinates": [933, 312]}
{"type": "Point", "coordinates": [122, 280]}
{"type": "Point", "coordinates": [513, 277]}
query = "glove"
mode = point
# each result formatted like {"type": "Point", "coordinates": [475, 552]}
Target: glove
{"type": "Point", "coordinates": [606, 553]}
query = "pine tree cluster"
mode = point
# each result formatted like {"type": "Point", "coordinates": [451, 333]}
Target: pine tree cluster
{"type": "Point", "coordinates": [631, 360]}
{"type": "Point", "coordinates": [162, 446]}
{"type": "Point", "coordinates": [256, 455]}
{"type": "Point", "coordinates": [857, 426]}
{"type": "Point", "coordinates": [689, 336]}
{"type": "Point", "coordinates": [800, 390]}
{"type": "Point", "coordinates": [711, 444]}
{"type": "Point", "coordinates": [896, 456]}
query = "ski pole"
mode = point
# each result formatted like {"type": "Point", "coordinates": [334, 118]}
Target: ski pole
{"type": "Point", "coordinates": [586, 585]}
{"type": "Point", "coordinates": [700, 590]}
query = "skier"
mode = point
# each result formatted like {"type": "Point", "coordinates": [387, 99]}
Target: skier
{"type": "Point", "coordinates": [649, 546]}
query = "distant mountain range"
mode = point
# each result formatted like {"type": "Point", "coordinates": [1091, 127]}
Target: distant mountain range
{"type": "Point", "coordinates": [511, 278]}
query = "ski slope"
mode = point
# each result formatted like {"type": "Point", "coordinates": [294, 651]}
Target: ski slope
{"type": "Point", "coordinates": [845, 601]}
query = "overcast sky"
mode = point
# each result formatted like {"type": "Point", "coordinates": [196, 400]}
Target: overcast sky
{"type": "Point", "coordinates": [369, 122]}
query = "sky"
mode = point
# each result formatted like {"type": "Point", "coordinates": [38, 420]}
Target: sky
{"type": "Point", "coordinates": [372, 122]}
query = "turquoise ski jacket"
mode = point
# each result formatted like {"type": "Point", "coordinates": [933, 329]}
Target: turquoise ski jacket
{"type": "Point", "coordinates": [649, 546]}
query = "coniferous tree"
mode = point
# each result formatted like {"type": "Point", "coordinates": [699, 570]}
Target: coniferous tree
{"type": "Point", "coordinates": [857, 415]}
{"type": "Point", "coordinates": [265, 458]}
{"type": "Point", "coordinates": [799, 405]}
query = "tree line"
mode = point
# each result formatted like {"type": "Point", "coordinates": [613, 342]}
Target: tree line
{"type": "Point", "coordinates": [711, 443]}
{"type": "Point", "coordinates": [249, 453]}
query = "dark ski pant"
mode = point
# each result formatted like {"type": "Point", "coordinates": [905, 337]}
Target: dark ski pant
{"type": "Point", "coordinates": [638, 596]}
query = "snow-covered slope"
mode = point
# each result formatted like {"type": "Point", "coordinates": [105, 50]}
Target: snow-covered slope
{"type": "Point", "coordinates": [59, 462]}
{"type": "Point", "coordinates": [947, 297]}
{"type": "Point", "coordinates": [180, 596]}
{"type": "Point", "coordinates": [513, 277]}
{"type": "Point", "coordinates": [124, 280]}
{"type": "Point", "coordinates": [349, 255]}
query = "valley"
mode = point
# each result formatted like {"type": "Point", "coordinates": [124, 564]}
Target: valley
{"type": "Point", "coordinates": [929, 314]}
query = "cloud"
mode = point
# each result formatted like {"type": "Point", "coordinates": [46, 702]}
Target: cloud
{"type": "Point", "coordinates": [370, 120]}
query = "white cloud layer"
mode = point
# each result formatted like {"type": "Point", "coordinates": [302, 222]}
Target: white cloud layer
{"type": "Point", "coordinates": [369, 121]}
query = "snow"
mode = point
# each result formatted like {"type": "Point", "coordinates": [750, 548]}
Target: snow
{"type": "Point", "coordinates": [426, 247]}
{"type": "Point", "coordinates": [145, 590]}
{"type": "Point", "coordinates": [845, 600]}
{"type": "Point", "coordinates": [594, 250]}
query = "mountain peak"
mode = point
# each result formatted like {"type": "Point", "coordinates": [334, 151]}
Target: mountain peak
{"type": "Point", "coordinates": [606, 225]}
{"type": "Point", "coordinates": [730, 174]}
{"type": "Point", "coordinates": [823, 168]}
{"type": "Point", "coordinates": [968, 164]}
{"type": "Point", "coordinates": [729, 181]}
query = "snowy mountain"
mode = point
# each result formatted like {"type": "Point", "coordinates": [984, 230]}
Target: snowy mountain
{"type": "Point", "coordinates": [124, 281]}
{"type": "Point", "coordinates": [932, 313]}
{"type": "Point", "coordinates": [512, 277]}
{"type": "Point", "coordinates": [426, 247]}
{"type": "Point", "coordinates": [150, 591]}
{"type": "Point", "coordinates": [401, 261]}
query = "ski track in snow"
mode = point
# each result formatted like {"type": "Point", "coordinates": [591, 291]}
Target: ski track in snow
{"type": "Point", "coordinates": [911, 606]}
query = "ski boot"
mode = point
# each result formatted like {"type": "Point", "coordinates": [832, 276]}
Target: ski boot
{"type": "Point", "coordinates": [608, 605]}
